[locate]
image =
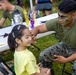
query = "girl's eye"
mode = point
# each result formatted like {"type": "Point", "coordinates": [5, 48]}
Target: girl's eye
{"type": "Point", "coordinates": [26, 37]}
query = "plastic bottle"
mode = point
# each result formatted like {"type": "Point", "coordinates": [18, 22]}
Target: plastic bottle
{"type": "Point", "coordinates": [12, 23]}
{"type": "Point", "coordinates": [17, 17]}
{"type": "Point", "coordinates": [38, 14]}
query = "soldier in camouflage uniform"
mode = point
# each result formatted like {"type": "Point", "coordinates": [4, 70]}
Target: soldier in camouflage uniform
{"type": "Point", "coordinates": [65, 28]}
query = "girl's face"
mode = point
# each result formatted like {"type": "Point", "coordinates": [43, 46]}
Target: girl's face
{"type": "Point", "coordinates": [25, 39]}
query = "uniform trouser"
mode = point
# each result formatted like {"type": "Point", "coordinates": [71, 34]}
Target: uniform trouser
{"type": "Point", "coordinates": [58, 49]}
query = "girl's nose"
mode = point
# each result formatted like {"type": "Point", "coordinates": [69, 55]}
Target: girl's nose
{"type": "Point", "coordinates": [30, 38]}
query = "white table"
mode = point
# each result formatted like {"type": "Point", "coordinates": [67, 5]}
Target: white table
{"type": "Point", "coordinates": [3, 41]}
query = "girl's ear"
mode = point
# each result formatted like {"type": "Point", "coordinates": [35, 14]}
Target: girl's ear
{"type": "Point", "coordinates": [17, 40]}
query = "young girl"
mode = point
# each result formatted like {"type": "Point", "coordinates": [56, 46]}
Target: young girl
{"type": "Point", "coordinates": [24, 61]}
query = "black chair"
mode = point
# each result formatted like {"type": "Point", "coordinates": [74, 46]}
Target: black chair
{"type": "Point", "coordinates": [5, 69]}
{"type": "Point", "coordinates": [64, 71]}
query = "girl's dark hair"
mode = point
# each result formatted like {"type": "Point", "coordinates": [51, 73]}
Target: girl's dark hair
{"type": "Point", "coordinates": [67, 6]}
{"type": "Point", "coordinates": [17, 32]}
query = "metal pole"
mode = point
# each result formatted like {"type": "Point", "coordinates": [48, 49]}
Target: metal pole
{"type": "Point", "coordinates": [31, 4]}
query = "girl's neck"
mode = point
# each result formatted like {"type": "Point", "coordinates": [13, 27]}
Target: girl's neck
{"type": "Point", "coordinates": [20, 48]}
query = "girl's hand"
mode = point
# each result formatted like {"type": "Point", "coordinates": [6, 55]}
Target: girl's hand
{"type": "Point", "coordinates": [60, 59]}
{"type": "Point", "coordinates": [45, 71]}
{"type": "Point", "coordinates": [40, 66]}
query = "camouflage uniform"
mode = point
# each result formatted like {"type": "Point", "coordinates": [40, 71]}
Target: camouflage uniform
{"type": "Point", "coordinates": [58, 49]}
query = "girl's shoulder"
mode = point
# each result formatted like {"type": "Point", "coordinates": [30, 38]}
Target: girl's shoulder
{"type": "Point", "coordinates": [30, 55]}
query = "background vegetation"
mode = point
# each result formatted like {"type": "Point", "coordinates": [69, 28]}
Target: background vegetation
{"type": "Point", "coordinates": [42, 43]}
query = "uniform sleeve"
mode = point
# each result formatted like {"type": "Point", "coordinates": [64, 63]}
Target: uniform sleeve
{"type": "Point", "coordinates": [4, 15]}
{"type": "Point", "coordinates": [52, 24]}
{"type": "Point", "coordinates": [31, 67]}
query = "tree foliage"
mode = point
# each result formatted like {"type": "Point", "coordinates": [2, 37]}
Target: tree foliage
{"type": "Point", "coordinates": [26, 3]}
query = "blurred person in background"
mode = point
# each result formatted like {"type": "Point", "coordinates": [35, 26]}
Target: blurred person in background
{"type": "Point", "coordinates": [8, 10]}
{"type": "Point", "coordinates": [45, 6]}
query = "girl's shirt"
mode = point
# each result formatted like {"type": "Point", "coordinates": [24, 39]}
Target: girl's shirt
{"type": "Point", "coordinates": [25, 63]}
